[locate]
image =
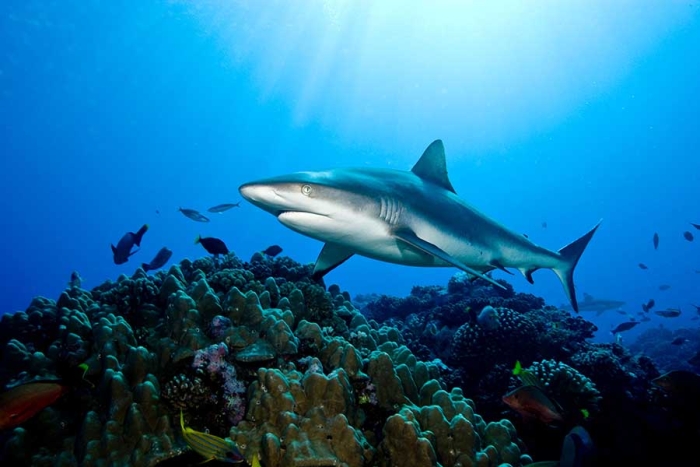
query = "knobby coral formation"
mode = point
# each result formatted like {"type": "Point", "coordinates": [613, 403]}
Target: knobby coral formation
{"type": "Point", "coordinates": [254, 351]}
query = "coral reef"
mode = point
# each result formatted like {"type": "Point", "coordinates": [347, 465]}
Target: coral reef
{"type": "Point", "coordinates": [255, 351]}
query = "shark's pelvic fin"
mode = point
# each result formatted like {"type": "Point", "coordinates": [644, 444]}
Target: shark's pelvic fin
{"type": "Point", "coordinates": [497, 264]}
{"type": "Point", "coordinates": [528, 274]}
{"type": "Point", "coordinates": [432, 166]}
{"type": "Point", "coordinates": [412, 239]}
{"type": "Point", "coordinates": [570, 255]}
{"type": "Point", "coordinates": [332, 255]}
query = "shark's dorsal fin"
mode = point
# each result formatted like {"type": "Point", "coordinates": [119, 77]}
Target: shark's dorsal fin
{"type": "Point", "coordinates": [432, 166]}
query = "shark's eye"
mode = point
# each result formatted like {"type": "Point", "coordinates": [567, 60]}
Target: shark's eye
{"type": "Point", "coordinates": [306, 190]}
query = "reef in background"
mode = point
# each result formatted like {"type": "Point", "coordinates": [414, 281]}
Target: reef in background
{"type": "Point", "coordinates": [255, 351]}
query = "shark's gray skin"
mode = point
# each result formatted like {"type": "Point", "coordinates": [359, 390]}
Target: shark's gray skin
{"type": "Point", "coordinates": [413, 218]}
{"type": "Point", "coordinates": [599, 305]}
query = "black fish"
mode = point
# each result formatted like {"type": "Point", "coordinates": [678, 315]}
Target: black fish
{"type": "Point", "coordinates": [688, 236]}
{"type": "Point", "coordinates": [122, 251]}
{"type": "Point", "coordinates": [643, 266]}
{"type": "Point", "coordinates": [656, 241]}
{"type": "Point", "coordinates": [670, 313]}
{"type": "Point", "coordinates": [679, 341]}
{"type": "Point", "coordinates": [159, 260]}
{"type": "Point", "coordinates": [697, 226]}
{"type": "Point", "coordinates": [219, 208]}
{"type": "Point", "coordinates": [194, 215]}
{"type": "Point", "coordinates": [648, 305]}
{"type": "Point", "coordinates": [273, 250]}
{"type": "Point", "coordinates": [544, 225]}
{"type": "Point", "coordinates": [75, 280]}
{"type": "Point", "coordinates": [664, 287]}
{"type": "Point", "coordinates": [213, 245]}
{"type": "Point", "coordinates": [626, 326]}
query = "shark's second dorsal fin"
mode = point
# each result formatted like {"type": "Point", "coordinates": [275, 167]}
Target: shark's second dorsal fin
{"type": "Point", "coordinates": [432, 166]}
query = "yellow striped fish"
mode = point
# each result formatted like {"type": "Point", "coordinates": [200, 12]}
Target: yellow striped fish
{"type": "Point", "coordinates": [209, 446]}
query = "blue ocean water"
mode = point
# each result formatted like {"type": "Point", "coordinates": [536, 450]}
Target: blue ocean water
{"type": "Point", "coordinates": [115, 114]}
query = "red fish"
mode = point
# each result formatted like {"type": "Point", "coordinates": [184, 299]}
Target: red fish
{"type": "Point", "coordinates": [530, 401]}
{"type": "Point", "coordinates": [19, 404]}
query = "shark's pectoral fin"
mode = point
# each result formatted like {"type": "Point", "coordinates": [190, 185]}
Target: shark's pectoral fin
{"type": "Point", "coordinates": [332, 255]}
{"type": "Point", "coordinates": [408, 236]}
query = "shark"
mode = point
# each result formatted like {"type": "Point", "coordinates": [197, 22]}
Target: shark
{"type": "Point", "coordinates": [412, 218]}
{"type": "Point", "coordinates": [598, 305]}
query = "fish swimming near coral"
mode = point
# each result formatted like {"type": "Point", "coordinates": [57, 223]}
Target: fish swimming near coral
{"type": "Point", "coordinates": [531, 402]}
{"type": "Point", "coordinates": [273, 250]}
{"type": "Point", "coordinates": [214, 246]}
{"type": "Point", "coordinates": [194, 215]}
{"type": "Point", "coordinates": [626, 326]}
{"type": "Point", "coordinates": [488, 318]}
{"type": "Point", "coordinates": [20, 403]}
{"type": "Point", "coordinates": [159, 260]}
{"type": "Point", "coordinates": [122, 251]}
{"type": "Point", "coordinates": [414, 218]}
{"type": "Point", "coordinates": [669, 313]}
{"type": "Point", "coordinates": [75, 280]}
{"type": "Point", "coordinates": [209, 446]}
{"type": "Point", "coordinates": [219, 208]}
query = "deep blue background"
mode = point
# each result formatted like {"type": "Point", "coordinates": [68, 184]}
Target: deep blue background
{"type": "Point", "coordinates": [565, 114]}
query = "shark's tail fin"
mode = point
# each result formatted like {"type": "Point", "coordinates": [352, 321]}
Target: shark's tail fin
{"type": "Point", "coordinates": [570, 255]}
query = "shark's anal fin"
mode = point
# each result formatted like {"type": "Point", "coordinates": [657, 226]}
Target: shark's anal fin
{"type": "Point", "coordinates": [412, 239]}
{"type": "Point", "coordinates": [332, 255]}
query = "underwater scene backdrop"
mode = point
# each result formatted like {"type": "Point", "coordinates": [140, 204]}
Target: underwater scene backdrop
{"type": "Point", "coordinates": [154, 312]}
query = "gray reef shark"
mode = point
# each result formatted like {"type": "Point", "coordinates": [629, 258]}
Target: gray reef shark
{"type": "Point", "coordinates": [599, 305]}
{"type": "Point", "coordinates": [413, 218]}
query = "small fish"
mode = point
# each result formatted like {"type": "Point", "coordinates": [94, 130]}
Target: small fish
{"type": "Point", "coordinates": [159, 260]}
{"type": "Point", "coordinates": [20, 403]}
{"type": "Point", "coordinates": [488, 318]}
{"type": "Point", "coordinates": [544, 225]}
{"type": "Point", "coordinates": [643, 266]}
{"type": "Point", "coordinates": [194, 215]}
{"type": "Point", "coordinates": [626, 326]}
{"type": "Point", "coordinates": [648, 305]}
{"type": "Point", "coordinates": [209, 446]}
{"type": "Point", "coordinates": [669, 313]}
{"type": "Point", "coordinates": [219, 208]}
{"type": "Point", "coordinates": [679, 341]}
{"type": "Point", "coordinates": [695, 359]}
{"type": "Point", "coordinates": [532, 402]}
{"type": "Point", "coordinates": [75, 280]}
{"type": "Point", "coordinates": [273, 250]}
{"type": "Point", "coordinates": [688, 236]}
{"type": "Point", "coordinates": [664, 287]}
{"type": "Point", "coordinates": [656, 241]}
{"type": "Point", "coordinates": [122, 251]}
{"type": "Point", "coordinates": [527, 377]}
{"type": "Point", "coordinates": [697, 226]}
{"type": "Point", "coordinates": [213, 245]}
